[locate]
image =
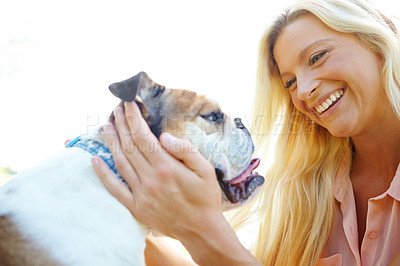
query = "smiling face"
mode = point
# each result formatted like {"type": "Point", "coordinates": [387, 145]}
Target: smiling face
{"type": "Point", "coordinates": [331, 77]}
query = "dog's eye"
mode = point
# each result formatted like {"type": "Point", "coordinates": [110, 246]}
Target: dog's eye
{"type": "Point", "coordinates": [158, 89]}
{"type": "Point", "coordinates": [215, 117]}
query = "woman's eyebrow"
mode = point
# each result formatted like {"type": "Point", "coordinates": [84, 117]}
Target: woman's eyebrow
{"type": "Point", "coordinates": [303, 52]}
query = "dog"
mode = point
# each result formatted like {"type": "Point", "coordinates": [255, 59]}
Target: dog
{"type": "Point", "coordinates": [59, 213]}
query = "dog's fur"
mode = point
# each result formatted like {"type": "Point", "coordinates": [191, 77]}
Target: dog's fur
{"type": "Point", "coordinates": [59, 213]}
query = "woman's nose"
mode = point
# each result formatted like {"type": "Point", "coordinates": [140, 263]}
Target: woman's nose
{"type": "Point", "coordinates": [306, 87]}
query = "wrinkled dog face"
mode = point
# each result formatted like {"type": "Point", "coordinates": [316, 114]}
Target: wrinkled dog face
{"type": "Point", "coordinates": [225, 142]}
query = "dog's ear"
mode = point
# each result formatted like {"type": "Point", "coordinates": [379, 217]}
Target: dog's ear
{"type": "Point", "coordinates": [139, 85]}
{"type": "Point", "coordinates": [147, 94]}
{"type": "Point", "coordinates": [127, 90]}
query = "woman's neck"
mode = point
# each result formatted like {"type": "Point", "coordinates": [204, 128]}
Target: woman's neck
{"type": "Point", "coordinates": [378, 151]}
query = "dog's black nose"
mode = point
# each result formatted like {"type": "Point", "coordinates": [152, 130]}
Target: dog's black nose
{"type": "Point", "coordinates": [238, 123]}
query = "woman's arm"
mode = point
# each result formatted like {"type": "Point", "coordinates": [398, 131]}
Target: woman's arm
{"type": "Point", "coordinates": [173, 189]}
{"type": "Point", "coordinates": [162, 251]}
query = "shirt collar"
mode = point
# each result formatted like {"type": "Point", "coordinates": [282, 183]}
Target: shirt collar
{"type": "Point", "coordinates": [394, 189]}
{"type": "Point", "coordinates": [342, 181]}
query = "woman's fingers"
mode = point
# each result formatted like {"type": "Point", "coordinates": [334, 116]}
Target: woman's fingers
{"type": "Point", "coordinates": [141, 134]}
{"type": "Point", "coordinates": [150, 147]}
{"type": "Point", "coordinates": [132, 150]}
{"type": "Point", "coordinates": [116, 188]}
{"type": "Point", "coordinates": [124, 168]}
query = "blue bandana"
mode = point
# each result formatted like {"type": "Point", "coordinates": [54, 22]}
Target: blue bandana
{"type": "Point", "coordinates": [96, 148]}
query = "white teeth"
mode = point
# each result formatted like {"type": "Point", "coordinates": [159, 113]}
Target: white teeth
{"type": "Point", "coordinates": [329, 101]}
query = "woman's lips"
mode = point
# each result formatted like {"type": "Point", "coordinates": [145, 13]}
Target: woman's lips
{"type": "Point", "coordinates": [329, 101]}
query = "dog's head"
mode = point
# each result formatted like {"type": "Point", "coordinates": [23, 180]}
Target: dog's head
{"type": "Point", "coordinates": [225, 142]}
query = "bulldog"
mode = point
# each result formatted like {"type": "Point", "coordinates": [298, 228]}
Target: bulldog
{"type": "Point", "coordinates": [59, 213]}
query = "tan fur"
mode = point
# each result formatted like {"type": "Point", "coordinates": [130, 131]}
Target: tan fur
{"type": "Point", "coordinates": [15, 249]}
{"type": "Point", "coordinates": [186, 108]}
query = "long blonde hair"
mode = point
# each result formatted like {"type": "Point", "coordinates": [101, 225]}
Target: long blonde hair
{"type": "Point", "coordinates": [296, 205]}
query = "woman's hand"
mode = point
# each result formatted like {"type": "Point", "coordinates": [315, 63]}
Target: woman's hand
{"type": "Point", "coordinates": [173, 189]}
{"type": "Point", "coordinates": [169, 184]}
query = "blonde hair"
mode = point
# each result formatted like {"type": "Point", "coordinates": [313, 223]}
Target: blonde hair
{"type": "Point", "coordinates": [295, 207]}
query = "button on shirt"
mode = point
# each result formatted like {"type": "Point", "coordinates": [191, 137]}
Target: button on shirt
{"type": "Point", "coordinates": [381, 242]}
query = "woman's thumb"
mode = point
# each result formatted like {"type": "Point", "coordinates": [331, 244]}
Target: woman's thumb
{"type": "Point", "coordinates": [183, 150]}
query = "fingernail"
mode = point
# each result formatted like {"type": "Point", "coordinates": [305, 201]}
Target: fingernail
{"type": "Point", "coordinates": [168, 139]}
{"type": "Point", "coordinates": [130, 106]}
{"type": "Point", "coordinates": [108, 128]}
{"type": "Point", "coordinates": [96, 161]}
{"type": "Point", "coordinates": [117, 110]}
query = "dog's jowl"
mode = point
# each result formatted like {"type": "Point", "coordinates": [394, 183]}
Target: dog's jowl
{"type": "Point", "coordinates": [59, 213]}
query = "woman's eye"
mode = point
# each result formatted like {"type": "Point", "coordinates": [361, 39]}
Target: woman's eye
{"type": "Point", "coordinates": [215, 117]}
{"type": "Point", "coordinates": [289, 83]}
{"type": "Point", "coordinates": [316, 57]}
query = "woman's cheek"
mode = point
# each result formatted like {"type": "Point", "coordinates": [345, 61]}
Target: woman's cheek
{"type": "Point", "coordinates": [300, 105]}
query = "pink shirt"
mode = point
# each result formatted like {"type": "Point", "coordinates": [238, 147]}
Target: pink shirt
{"type": "Point", "coordinates": [382, 236]}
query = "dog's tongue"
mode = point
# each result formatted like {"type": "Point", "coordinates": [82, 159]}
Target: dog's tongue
{"type": "Point", "coordinates": [240, 188]}
{"type": "Point", "coordinates": [246, 173]}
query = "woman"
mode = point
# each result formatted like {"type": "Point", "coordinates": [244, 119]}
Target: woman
{"type": "Point", "coordinates": [329, 69]}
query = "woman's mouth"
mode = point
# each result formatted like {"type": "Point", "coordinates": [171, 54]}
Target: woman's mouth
{"type": "Point", "coordinates": [329, 101]}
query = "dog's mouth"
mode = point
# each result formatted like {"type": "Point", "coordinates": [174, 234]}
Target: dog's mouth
{"type": "Point", "coordinates": [240, 188]}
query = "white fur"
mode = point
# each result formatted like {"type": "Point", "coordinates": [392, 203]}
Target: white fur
{"type": "Point", "coordinates": [229, 149]}
{"type": "Point", "coordinates": [62, 206]}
